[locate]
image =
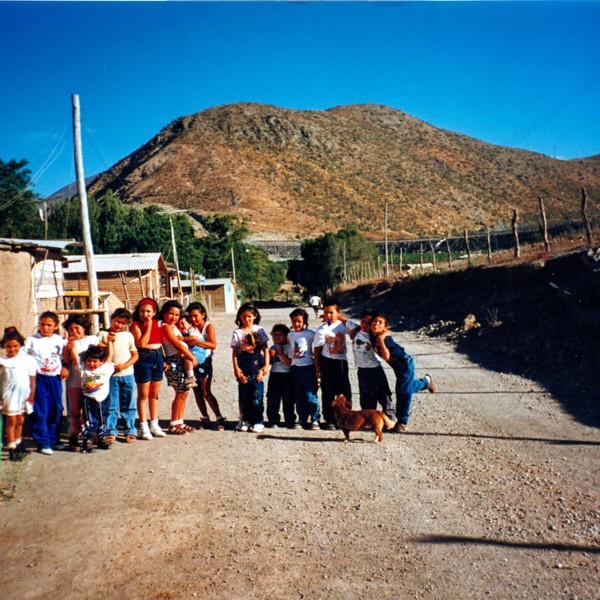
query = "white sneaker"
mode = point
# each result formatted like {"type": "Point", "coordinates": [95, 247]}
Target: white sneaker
{"type": "Point", "coordinates": [257, 428]}
{"type": "Point", "coordinates": [46, 451]}
{"type": "Point", "coordinates": [156, 431]}
{"type": "Point", "coordinates": [315, 425]}
{"type": "Point", "coordinates": [145, 432]}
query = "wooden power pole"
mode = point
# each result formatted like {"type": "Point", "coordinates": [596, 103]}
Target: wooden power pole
{"type": "Point", "coordinates": [85, 216]}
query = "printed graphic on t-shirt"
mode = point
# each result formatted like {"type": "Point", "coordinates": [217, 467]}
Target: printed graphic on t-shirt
{"type": "Point", "coordinates": [362, 346]}
{"type": "Point", "coordinates": [336, 344]}
{"type": "Point", "coordinates": [300, 348]}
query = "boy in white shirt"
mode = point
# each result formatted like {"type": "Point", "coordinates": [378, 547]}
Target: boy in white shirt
{"type": "Point", "coordinates": [373, 385]}
{"type": "Point", "coordinates": [96, 370]}
{"type": "Point", "coordinates": [331, 362]}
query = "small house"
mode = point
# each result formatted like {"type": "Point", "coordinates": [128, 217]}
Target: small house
{"type": "Point", "coordinates": [219, 294]}
{"type": "Point", "coordinates": [130, 277]}
{"type": "Point", "coordinates": [32, 278]}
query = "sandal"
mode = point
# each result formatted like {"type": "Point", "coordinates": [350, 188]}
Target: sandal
{"type": "Point", "coordinates": [110, 439]}
{"type": "Point", "coordinates": [176, 430]}
{"type": "Point", "coordinates": [187, 428]}
{"type": "Point", "coordinates": [130, 439]}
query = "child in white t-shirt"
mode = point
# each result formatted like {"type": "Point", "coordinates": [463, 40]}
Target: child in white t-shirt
{"type": "Point", "coordinates": [304, 374]}
{"type": "Point", "coordinates": [373, 385]}
{"type": "Point", "coordinates": [280, 391]}
{"type": "Point", "coordinates": [96, 370]}
{"type": "Point", "coordinates": [46, 349]}
{"type": "Point", "coordinates": [17, 385]}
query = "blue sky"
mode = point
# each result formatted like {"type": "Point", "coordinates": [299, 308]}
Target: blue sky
{"type": "Point", "coordinates": [520, 74]}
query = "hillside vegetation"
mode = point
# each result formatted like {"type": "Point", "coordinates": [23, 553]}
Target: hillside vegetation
{"type": "Point", "coordinates": [294, 174]}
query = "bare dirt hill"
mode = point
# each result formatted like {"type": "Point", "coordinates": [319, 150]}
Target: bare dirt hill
{"type": "Point", "coordinates": [294, 173]}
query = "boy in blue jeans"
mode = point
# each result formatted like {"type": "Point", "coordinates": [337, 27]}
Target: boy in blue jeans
{"type": "Point", "coordinates": [122, 383]}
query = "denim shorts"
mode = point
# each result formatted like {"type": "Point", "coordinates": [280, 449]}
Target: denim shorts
{"type": "Point", "coordinates": [149, 367]}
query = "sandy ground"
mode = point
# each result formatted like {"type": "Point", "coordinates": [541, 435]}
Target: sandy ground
{"type": "Point", "coordinates": [493, 493]}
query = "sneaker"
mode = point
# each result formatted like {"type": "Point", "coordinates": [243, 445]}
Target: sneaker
{"type": "Point", "coordinates": [330, 426]}
{"type": "Point", "coordinates": [46, 451]}
{"type": "Point", "coordinates": [315, 425]}
{"type": "Point", "coordinates": [257, 428]}
{"type": "Point", "coordinates": [400, 428]}
{"type": "Point", "coordinates": [431, 389]}
{"type": "Point", "coordinates": [145, 433]}
{"type": "Point", "coordinates": [241, 426]}
{"type": "Point", "coordinates": [87, 446]}
{"type": "Point", "coordinates": [157, 432]}
{"type": "Point", "coordinates": [221, 424]}
{"type": "Point", "coordinates": [295, 426]}
{"type": "Point", "coordinates": [190, 382]}
{"type": "Point", "coordinates": [103, 443]}
{"type": "Point", "coordinates": [204, 424]}
{"type": "Point", "coordinates": [73, 443]}
{"type": "Point", "coordinates": [58, 447]}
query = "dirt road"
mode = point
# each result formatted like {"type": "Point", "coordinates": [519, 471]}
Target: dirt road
{"type": "Point", "coordinates": [493, 493]}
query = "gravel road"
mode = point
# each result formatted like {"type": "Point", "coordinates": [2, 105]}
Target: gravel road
{"type": "Point", "coordinates": [493, 493]}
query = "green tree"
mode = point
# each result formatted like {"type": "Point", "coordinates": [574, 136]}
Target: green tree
{"type": "Point", "coordinates": [19, 206]}
{"type": "Point", "coordinates": [321, 269]}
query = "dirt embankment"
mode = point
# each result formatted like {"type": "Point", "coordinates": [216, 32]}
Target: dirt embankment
{"type": "Point", "coordinates": [539, 319]}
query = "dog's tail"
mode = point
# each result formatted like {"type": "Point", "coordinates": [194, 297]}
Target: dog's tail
{"type": "Point", "coordinates": [389, 424]}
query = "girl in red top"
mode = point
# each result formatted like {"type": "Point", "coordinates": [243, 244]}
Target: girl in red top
{"type": "Point", "coordinates": [149, 369]}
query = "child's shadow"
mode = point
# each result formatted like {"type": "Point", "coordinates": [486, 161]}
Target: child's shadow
{"type": "Point", "coordinates": [291, 438]}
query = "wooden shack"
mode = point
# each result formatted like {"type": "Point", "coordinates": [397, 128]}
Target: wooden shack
{"type": "Point", "coordinates": [32, 280]}
{"type": "Point", "coordinates": [130, 277]}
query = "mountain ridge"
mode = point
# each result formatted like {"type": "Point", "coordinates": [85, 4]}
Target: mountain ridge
{"type": "Point", "coordinates": [293, 173]}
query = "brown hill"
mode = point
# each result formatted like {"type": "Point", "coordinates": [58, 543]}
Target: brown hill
{"type": "Point", "coordinates": [297, 173]}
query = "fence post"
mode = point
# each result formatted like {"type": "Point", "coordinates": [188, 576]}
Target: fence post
{"type": "Point", "coordinates": [400, 263]}
{"type": "Point", "coordinates": [449, 251]}
{"type": "Point", "coordinates": [515, 229]}
{"type": "Point", "coordinates": [586, 221]}
{"type": "Point", "coordinates": [421, 257]}
{"type": "Point", "coordinates": [432, 247]}
{"type": "Point", "coordinates": [489, 244]}
{"type": "Point", "coordinates": [468, 247]}
{"type": "Point", "coordinates": [544, 224]}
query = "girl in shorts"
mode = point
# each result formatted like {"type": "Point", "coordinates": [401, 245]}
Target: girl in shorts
{"type": "Point", "coordinates": [175, 353]}
{"type": "Point", "coordinates": [148, 370]}
{"type": "Point", "coordinates": [206, 339]}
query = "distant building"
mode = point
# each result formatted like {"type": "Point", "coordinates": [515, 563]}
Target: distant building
{"type": "Point", "coordinates": [219, 294]}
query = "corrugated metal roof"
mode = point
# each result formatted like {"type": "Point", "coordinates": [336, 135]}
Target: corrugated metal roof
{"type": "Point", "coordinates": [113, 263]}
{"type": "Point", "coordinates": [51, 244]}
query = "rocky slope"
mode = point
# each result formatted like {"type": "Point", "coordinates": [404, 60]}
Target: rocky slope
{"type": "Point", "coordinates": [293, 173]}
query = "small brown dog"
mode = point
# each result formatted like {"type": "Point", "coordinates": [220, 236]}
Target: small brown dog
{"type": "Point", "coordinates": [356, 420]}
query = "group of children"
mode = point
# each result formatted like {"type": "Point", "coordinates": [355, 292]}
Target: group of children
{"type": "Point", "coordinates": [120, 371]}
{"type": "Point", "coordinates": [300, 360]}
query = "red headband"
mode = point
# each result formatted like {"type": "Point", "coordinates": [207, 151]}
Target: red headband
{"type": "Point", "coordinates": [149, 301]}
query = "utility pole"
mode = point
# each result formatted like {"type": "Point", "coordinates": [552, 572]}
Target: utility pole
{"type": "Point", "coordinates": [85, 216]}
{"type": "Point", "coordinates": [233, 267]}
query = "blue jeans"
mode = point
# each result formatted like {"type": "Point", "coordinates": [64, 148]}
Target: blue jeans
{"type": "Point", "coordinates": [280, 391]}
{"type": "Point", "coordinates": [95, 414]}
{"type": "Point", "coordinates": [121, 398]}
{"type": "Point", "coordinates": [406, 386]}
{"type": "Point", "coordinates": [251, 400]}
{"type": "Point", "coordinates": [374, 388]}
{"type": "Point", "coordinates": [47, 411]}
{"type": "Point", "coordinates": [305, 392]}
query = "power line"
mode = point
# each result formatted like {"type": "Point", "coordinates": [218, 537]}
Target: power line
{"type": "Point", "coordinates": [585, 85]}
